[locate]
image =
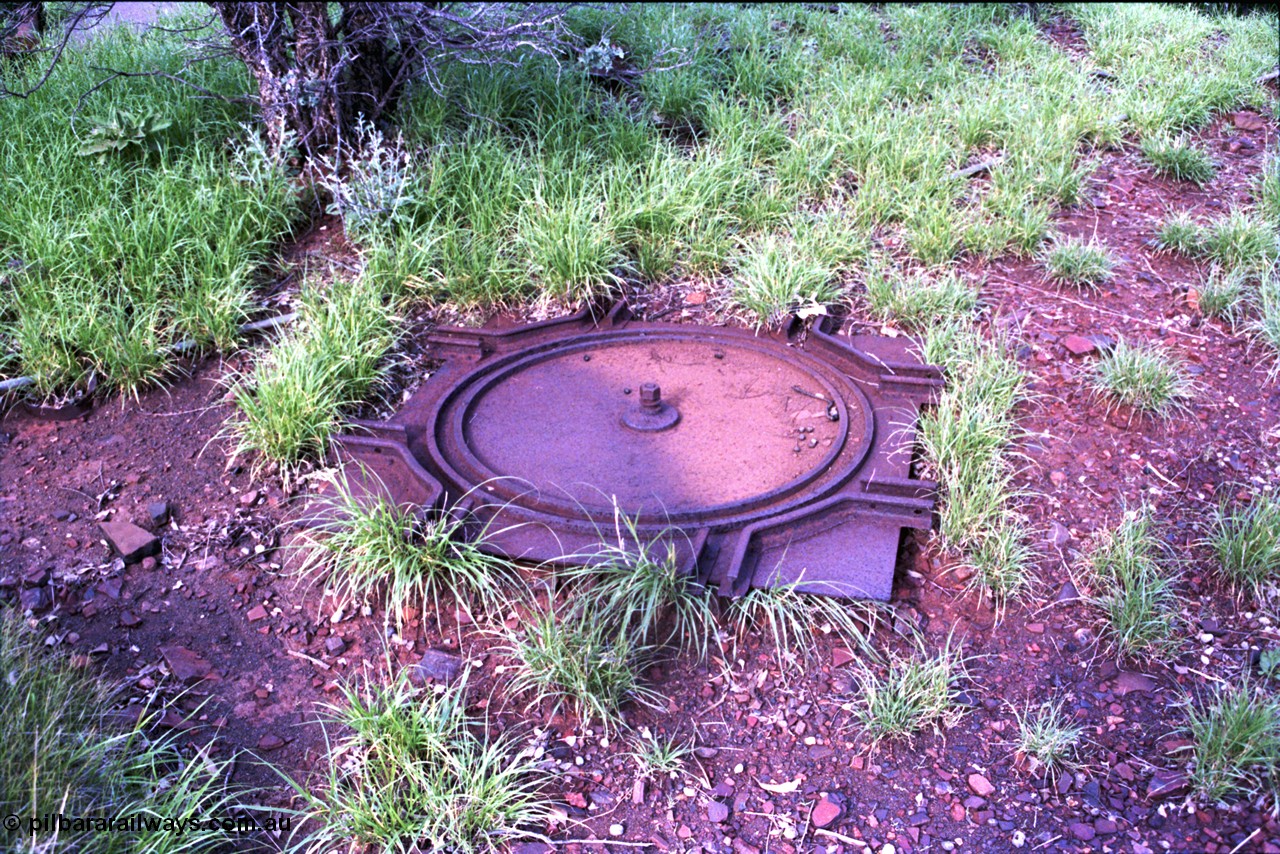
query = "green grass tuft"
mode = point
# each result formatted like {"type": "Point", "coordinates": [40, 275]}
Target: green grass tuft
{"type": "Point", "coordinates": [1133, 591]}
{"type": "Point", "coordinates": [1236, 744]}
{"type": "Point", "coordinates": [1223, 295]}
{"type": "Point", "coordinates": [63, 751]}
{"type": "Point", "coordinates": [1182, 233]}
{"type": "Point", "coordinates": [776, 278]}
{"type": "Point", "coordinates": [1081, 263]}
{"type": "Point", "coordinates": [413, 772]}
{"type": "Point", "coordinates": [793, 621]}
{"type": "Point", "coordinates": [364, 546]}
{"type": "Point", "coordinates": [1048, 740]}
{"type": "Point", "coordinates": [916, 302]}
{"type": "Point", "coordinates": [1144, 377]}
{"type": "Point", "coordinates": [575, 661]}
{"type": "Point", "coordinates": [1246, 541]}
{"type": "Point", "coordinates": [910, 692]}
{"type": "Point", "coordinates": [330, 362]}
{"type": "Point", "coordinates": [1179, 159]}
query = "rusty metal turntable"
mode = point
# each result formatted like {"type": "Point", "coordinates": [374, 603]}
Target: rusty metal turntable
{"type": "Point", "coordinates": [760, 459]}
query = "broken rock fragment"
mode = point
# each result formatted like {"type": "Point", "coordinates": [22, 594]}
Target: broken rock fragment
{"type": "Point", "coordinates": [133, 543]}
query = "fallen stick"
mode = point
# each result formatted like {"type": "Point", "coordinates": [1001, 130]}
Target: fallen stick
{"type": "Point", "coordinates": [1269, 76]}
{"type": "Point", "coordinates": [317, 662]}
{"type": "Point", "coordinates": [970, 171]}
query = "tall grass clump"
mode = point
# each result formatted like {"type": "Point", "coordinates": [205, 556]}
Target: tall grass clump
{"type": "Point", "coordinates": [1133, 591]}
{"type": "Point", "coordinates": [776, 278]}
{"type": "Point", "coordinates": [1223, 295]}
{"type": "Point", "coordinates": [364, 546]}
{"type": "Point", "coordinates": [910, 691]}
{"type": "Point", "coordinates": [297, 394]}
{"type": "Point", "coordinates": [573, 661]}
{"type": "Point", "coordinates": [1079, 262]}
{"type": "Point", "coordinates": [967, 435]}
{"type": "Point", "coordinates": [63, 751]}
{"type": "Point", "coordinates": [1246, 541]}
{"type": "Point", "coordinates": [1047, 740]}
{"type": "Point", "coordinates": [1179, 159]}
{"type": "Point", "coordinates": [793, 622]}
{"type": "Point", "coordinates": [118, 257]}
{"type": "Point", "coordinates": [1235, 749]}
{"type": "Point", "coordinates": [412, 771]}
{"type": "Point", "coordinates": [916, 302]}
{"type": "Point", "coordinates": [640, 590]}
{"type": "Point", "coordinates": [1267, 325]}
{"type": "Point", "coordinates": [1144, 377]}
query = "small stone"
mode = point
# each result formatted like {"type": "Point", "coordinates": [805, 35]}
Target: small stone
{"type": "Point", "coordinates": [616, 830]}
{"type": "Point", "coordinates": [250, 498]}
{"type": "Point", "coordinates": [841, 656]}
{"type": "Point", "coordinates": [695, 298]}
{"type": "Point", "coordinates": [159, 512]}
{"type": "Point", "coordinates": [334, 645]}
{"type": "Point", "coordinates": [981, 785]}
{"type": "Point", "coordinates": [1059, 537]}
{"type": "Point", "coordinates": [148, 564]}
{"type": "Point", "coordinates": [34, 599]}
{"type": "Point", "coordinates": [133, 543]}
{"type": "Point", "coordinates": [828, 811]}
{"type": "Point", "coordinates": [439, 666]}
{"type": "Point", "coordinates": [1105, 826]}
{"type": "Point", "coordinates": [257, 612]}
{"type": "Point", "coordinates": [129, 620]}
{"type": "Point", "coordinates": [1080, 830]}
{"type": "Point", "coordinates": [1068, 592]}
{"type": "Point", "coordinates": [1078, 345]}
{"type": "Point", "coordinates": [1167, 784]}
{"type": "Point", "coordinates": [61, 515]}
{"type": "Point", "coordinates": [717, 812]}
{"type": "Point", "coordinates": [185, 665]}
{"type": "Point", "coordinates": [1035, 628]}
{"type": "Point", "coordinates": [270, 742]}
{"type": "Point", "coordinates": [1248, 121]}
{"type": "Point", "coordinates": [1128, 682]}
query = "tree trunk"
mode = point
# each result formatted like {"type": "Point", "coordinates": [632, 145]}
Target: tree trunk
{"type": "Point", "coordinates": [293, 55]}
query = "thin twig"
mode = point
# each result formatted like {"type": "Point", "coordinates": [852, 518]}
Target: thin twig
{"type": "Point", "coordinates": [317, 662]}
{"type": "Point", "coordinates": [1099, 309]}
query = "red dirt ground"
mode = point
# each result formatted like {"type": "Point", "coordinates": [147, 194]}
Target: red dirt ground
{"type": "Point", "coordinates": [223, 558]}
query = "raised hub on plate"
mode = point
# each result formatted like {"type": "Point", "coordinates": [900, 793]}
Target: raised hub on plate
{"type": "Point", "coordinates": [651, 414]}
{"type": "Point", "coordinates": [759, 460]}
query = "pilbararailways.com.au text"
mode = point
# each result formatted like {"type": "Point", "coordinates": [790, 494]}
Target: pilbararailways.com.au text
{"type": "Point", "coordinates": [50, 823]}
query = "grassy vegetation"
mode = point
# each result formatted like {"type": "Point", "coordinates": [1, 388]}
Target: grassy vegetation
{"type": "Point", "coordinates": [576, 663]}
{"type": "Point", "coordinates": [917, 302]}
{"type": "Point", "coordinates": [1178, 158]}
{"type": "Point", "coordinates": [1144, 377]}
{"type": "Point", "coordinates": [329, 362]}
{"type": "Point", "coordinates": [1223, 295]}
{"type": "Point", "coordinates": [413, 772]}
{"type": "Point", "coordinates": [1235, 748]}
{"type": "Point", "coordinates": [1080, 263]}
{"type": "Point", "coordinates": [1246, 541]}
{"type": "Point", "coordinates": [62, 751]}
{"type": "Point", "coordinates": [639, 590]}
{"type": "Point", "coordinates": [967, 440]}
{"type": "Point", "coordinates": [112, 260]}
{"type": "Point", "coordinates": [1049, 742]}
{"type": "Point", "coordinates": [1132, 589]}
{"type": "Point", "coordinates": [909, 692]}
{"type": "Point", "coordinates": [364, 546]}
{"type": "Point", "coordinates": [660, 757]}
{"type": "Point", "coordinates": [791, 621]}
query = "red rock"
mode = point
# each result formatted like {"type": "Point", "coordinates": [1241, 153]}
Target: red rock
{"type": "Point", "coordinates": [257, 612]}
{"type": "Point", "coordinates": [1167, 784]}
{"type": "Point", "coordinates": [695, 298]}
{"type": "Point", "coordinates": [1248, 121]}
{"type": "Point", "coordinates": [1080, 830]}
{"type": "Point", "coordinates": [828, 811]}
{"type": "Point", "coordinates": [841, 656]}
{"type": "Point", "coordinates": [133, 543]}
{"type": "Point", "coordinates": [185, 665]}
{"type": "Point", "coordinates": [270, 742]}
{"type": "Point", "coordinates": [1128, 682]}
{"type": "Point", "coordinates": [981, 785]}
{"type": "Point", "coordinates": [1078, 345]}
{"type": "Point", "coordinates": [129, 620]}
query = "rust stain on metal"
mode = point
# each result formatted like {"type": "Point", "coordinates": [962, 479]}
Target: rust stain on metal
{"type": "Point", "coordinates": [761, 460]}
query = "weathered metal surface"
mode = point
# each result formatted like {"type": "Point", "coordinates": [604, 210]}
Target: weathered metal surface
{"type": "Point", "coordinates": [762, 460]}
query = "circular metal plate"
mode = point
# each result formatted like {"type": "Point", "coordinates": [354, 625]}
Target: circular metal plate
{"type": "Point", "coordinates": [544, 427]}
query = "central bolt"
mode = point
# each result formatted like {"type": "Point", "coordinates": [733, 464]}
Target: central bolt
{"type": "Point", "coordinates": [650, 414]}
